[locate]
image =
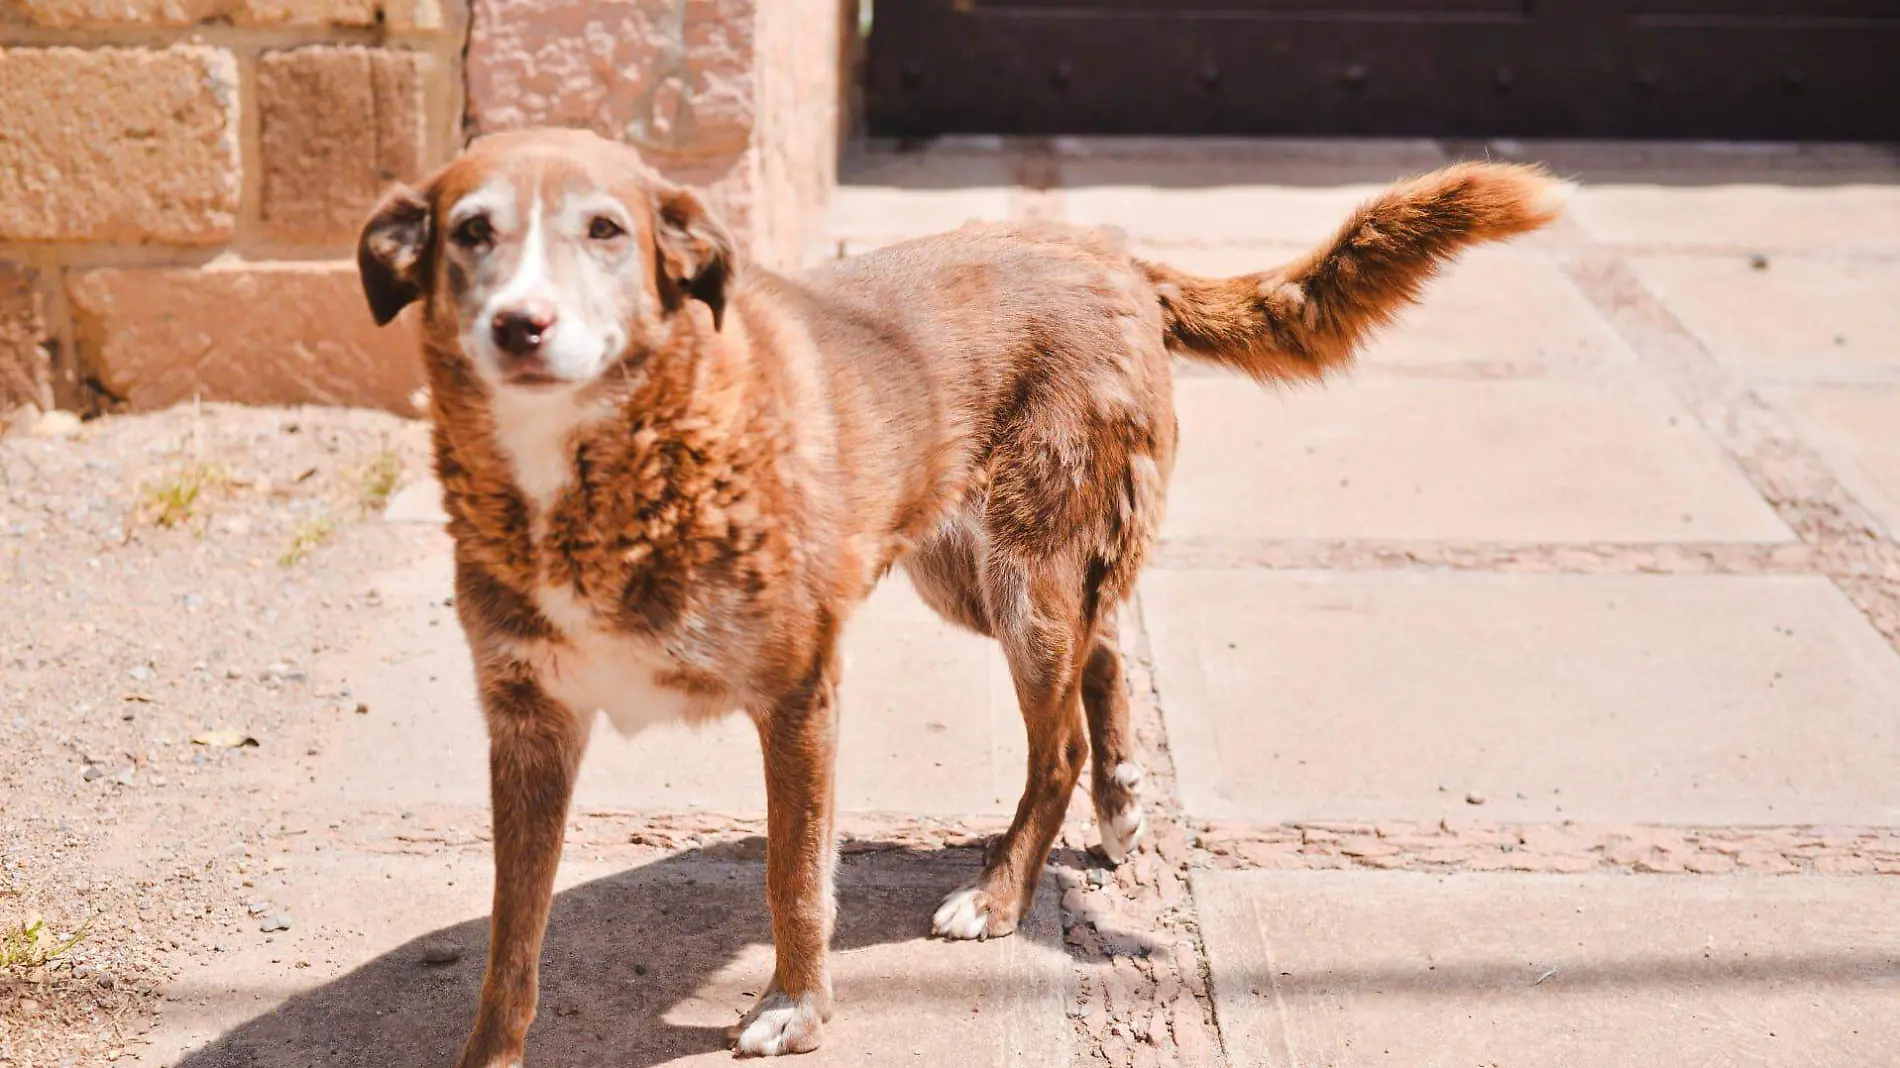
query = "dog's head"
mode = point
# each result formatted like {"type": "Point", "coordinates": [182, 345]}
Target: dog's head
{"type": "Point", "coordinates": [550, 255]}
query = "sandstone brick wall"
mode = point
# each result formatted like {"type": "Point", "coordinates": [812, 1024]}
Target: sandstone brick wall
{"type": "Point", "coordinates": [181, 182]}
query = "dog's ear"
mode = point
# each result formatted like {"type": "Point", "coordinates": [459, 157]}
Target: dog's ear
{"type": "Point", "coordinates": [392, 255]}
{"type": "Point", "coordinates": [695, 252]}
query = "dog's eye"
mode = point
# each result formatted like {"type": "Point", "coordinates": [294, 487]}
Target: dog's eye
{"type": "Point", "coordinates": [604, 229]}
{"type": "Point", "coordinates": [475, 230]}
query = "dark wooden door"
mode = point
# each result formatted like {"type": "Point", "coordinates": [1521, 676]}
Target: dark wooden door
{"type": "Point", "coordinates": [1769, 69]}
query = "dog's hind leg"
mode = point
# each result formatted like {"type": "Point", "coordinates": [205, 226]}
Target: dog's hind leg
{"type": "Point", "coordinates": [1037, 613]}
{"type": "Point", "coordinates": [1115, 778]}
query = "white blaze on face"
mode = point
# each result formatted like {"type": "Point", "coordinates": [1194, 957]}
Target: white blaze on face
{"type": "Point", "coordinates": [547, 276]}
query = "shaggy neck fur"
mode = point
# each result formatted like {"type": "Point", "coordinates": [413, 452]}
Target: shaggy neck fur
{"type": "Point", "coordinates": [643, 497]}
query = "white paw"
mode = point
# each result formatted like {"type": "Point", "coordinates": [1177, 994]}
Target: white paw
{"type": "Point", "coordinates": [1122, 830]}
{"type": "Point", "coordinates": [1128, 773]}
{"type": "Point", "coordinates": [779, 1024]}
{"type": "Point", "coordinates": [964, 914]}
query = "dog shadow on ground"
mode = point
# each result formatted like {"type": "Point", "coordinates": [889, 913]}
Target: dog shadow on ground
{"type": "Point", "coordinates": [652, 965]}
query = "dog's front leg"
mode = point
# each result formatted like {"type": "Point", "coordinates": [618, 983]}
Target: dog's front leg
{"type": "Point", "coordinates": [535, 745]}
{"type": "Point", "coordinates": [799, 739]}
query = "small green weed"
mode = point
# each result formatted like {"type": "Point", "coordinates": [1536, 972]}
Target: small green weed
{"type": "Point", "coordinates": [379, 479]}
{"type": "Point", "coordinates": [174, 499]}
{"type": "Point", "coordinates": [310, 533]}
{"type": "Point", "coordinates": [26, 945]}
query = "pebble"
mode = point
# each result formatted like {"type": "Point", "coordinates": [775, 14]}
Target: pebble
{"type": "Point", "coordinates": [1474, 798]}
{"type": "Point", "coordinates": [258, 908]}
{"type": "Point", "coordinates": [1098, 878]}
{"type": "Point", "coordinates": [234, 672]}
{"type": "Point", "coordinates": [105, 981]}
{"type": "Point", "coordinates": [93, 771]}
{"type": "Point", "coordinates": [274, 923]}
{"type": "Point", "coordinates": [140, 673]}
{"type": "Point", "coordinates": [448, 953]}
{"type": "Point", "coordinates": [28, 1006]}
{"type": "Point", "coordinates": [1759, 261]}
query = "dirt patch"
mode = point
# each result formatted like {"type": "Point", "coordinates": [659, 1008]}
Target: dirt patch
{"type": "Point", "coordinates": [148, 598]}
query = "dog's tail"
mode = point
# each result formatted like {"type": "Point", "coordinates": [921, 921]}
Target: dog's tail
{"type": "Point", "coordinates": [1302, 320]}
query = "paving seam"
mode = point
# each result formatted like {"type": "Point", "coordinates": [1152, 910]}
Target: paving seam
{"type": "Point", "coordinates": [1783, 468]}
{"type": "Point", "coordinates": [1568, 848]}
{"type": "Point", "coordinates": [1139, 985]}
{"type": "Point", "coordinates": [1575, 558]}
{"type": "Point", "coordinates": [1444, 845]}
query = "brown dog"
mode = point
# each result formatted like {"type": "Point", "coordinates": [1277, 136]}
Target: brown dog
{"type": "Point", "coordinates": [670, 480]}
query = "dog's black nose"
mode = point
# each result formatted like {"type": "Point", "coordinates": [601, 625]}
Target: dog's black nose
{"type": "Point", "coordinates": [519, 333]}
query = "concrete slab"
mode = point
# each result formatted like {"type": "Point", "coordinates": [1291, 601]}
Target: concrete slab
{"type": "Point", "coordinates": [892, 195]}
{"type": "Point", "coordinates": [1499, 308]}
{"type": "Point", "coordinates": [646, 966]}
{"type": "Point", "coordinates": [1344, 970]}
{"type": "Point", "coordinates": [1685, 699]}
{"type": "Point", "coordinates": [1744, 217]}
{"type": "Point", "coordinates": [1230, 192]}
{"type": "Point", "coordinates": [930, 723]}
{"type": "Point", "coordinates": [1796, 319]}
{"type": "Point", "coordinates": [1853, 427]}
{"type": "Point", "coordinates": [1542, 461]}
{"type": "Point", "coordinates": [1192, 202]}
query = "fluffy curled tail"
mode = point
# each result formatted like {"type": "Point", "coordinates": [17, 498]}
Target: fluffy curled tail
{"type": "Point", "coordinates": [1307, 318]}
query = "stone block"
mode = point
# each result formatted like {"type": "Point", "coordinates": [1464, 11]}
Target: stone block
{"type": "Point", "coordinates": [1541, 971]}
{"type": "Point", "coordinates": [121, 145]}
{"type": "Point", "coordinates": [643, 965]}
{"type": "Point", "coordinates": [256, 333]}
{"type": "Point", "coordinates": [1786, 317]}
{"type": "Point", "coordinates": [338, 125]}
{"type": "Point", "coordinates": [115, 14]}
{"type": "Point", "coordinates": [1643, 699]}
{"type": "Point", "coordinates": [1853, 429]}
{"type": "Point", "coordinates": [1615, 460]}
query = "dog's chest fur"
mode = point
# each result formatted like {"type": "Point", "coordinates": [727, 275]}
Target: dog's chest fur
{"type": "Point", "coordinates": [635, 531]}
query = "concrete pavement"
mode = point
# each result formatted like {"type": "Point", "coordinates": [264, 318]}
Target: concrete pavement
{"type": "Point", "coordinates": [1530, 698]}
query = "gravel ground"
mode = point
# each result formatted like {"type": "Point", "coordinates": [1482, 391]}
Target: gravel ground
{"type": "Point", "coordinates": [169, 580]}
